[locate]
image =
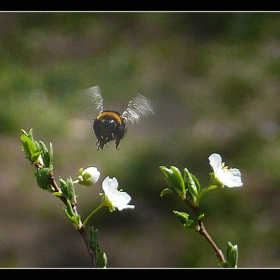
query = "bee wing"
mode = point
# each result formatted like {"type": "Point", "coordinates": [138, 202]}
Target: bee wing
{"type": "Point", "coordinates": [137, 108]}
{"type": "Point", "coordinates": [91, 97]}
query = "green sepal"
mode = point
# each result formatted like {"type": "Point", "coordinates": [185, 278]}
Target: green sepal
{"type": "Point", "coordinates": [215, 180]}
{"type": "Point", "coordinates": [174, 179]}
{"type": "Point", "coordinates": [43, 179]}
{"type": "Point", "coordinates": [85, 178]}
{"type": "Point", "coordinates": [106, 202]}
{"type": "Point", "coordinates": [85, 182]}
{"type": "Point", "coordinates": [101, 258]}
{"type": "Point", "coordinates": [166, 191]}
{"type": "Point", "coordinates": [184, 219]}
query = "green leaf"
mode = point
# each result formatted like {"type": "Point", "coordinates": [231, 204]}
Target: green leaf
{"type": "Point", "coordinates": [168, 175]}
{"type": "Point", "coordinates": [67, 188]}
{"type": "Point", "coordinates": [166, 191]}
{"type": "Point", "coordinates": [24, 132]}
{"type": "Point", "coordinates": [34, 149]}
{"type": "Point", "coordinates": [58, 194]}
{"type": "Point", "coordinates": [30, 148]}
{"type": "Point", "coordinates": [43, 179]}
{"type": "Point", "coordinates": [29, 134]}
{"type": "Point", "coordinates": [232, 255]}
{"type": "Point", "coordinates": [45, 154]}
{"type": "Point", "coordinates": [74, 218]}
{"type": "Point", "coordinates": [200, 216]}
{"type": "Point", "coordinates": [101, 260]}
{"type": "Point", "coordinates": [71, 190]}
{"type": "Point", "coordinates": [178, 181]}
{"type": "Point", "coordinates": [63, 186]}
{"type": "Point", "coordinates": [193, 186]}
{"type": "Point", "coordinates": [184, 219]}
{"type": "Point", "coordinates": [51, 154]}
{"type": "Point", "coordinates": [173, 178]}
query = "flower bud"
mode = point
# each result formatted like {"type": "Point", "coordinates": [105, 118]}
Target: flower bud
{"type": "Point", "coordinates": [88, 176]}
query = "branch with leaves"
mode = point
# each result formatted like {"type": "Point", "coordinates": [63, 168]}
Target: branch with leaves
{"type": "Point", "coordinates": [42, 158]}
{"type": "Point", "coordinates": [188, 188]}
{"type": "Point", "coordinates": [185, 185]}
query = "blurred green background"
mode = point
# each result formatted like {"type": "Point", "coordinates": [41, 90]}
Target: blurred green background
{"type": "Point", "coordinates": [215, 81]}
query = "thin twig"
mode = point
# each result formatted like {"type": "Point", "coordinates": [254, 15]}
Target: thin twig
{"type": "Point", "coordinates": [83, 231]}
{"type": "Point", "coordinates": [202, 231]}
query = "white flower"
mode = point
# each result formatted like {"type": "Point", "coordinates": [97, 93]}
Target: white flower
{"type": "Point", "coordinates": [230, 177]}
{"type": "Point", "coordinates": [114, 197]}
{"type": "Point", "coordinates": [89, 176]}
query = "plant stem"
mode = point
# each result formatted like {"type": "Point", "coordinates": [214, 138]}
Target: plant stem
{"type": "Point", "coordinates": [203, 232]}
{"type": "Point", "coordinates": [86, 237]}
{"type": "Point", "coordinates": [91, 214]}
{"type": "Point", "coordinates": [82, 230]}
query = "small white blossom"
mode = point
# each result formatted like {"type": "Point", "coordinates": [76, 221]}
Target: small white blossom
{"type": "Point", "coordinates": [230, 177]}
{"type": "Point", "coordinates": [114, 197]}
{"type": "Point", "coordinates": [89, 176]}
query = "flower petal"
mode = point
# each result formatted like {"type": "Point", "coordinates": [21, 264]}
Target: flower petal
{"type": "Point", "coordinates": [232, 178]}
{"type": "Point", "coordinates": [215, 161]}
{"type": "Point", "coordinates": [109, 185]}
{"type": "Point", "coordinates": [120, 200]}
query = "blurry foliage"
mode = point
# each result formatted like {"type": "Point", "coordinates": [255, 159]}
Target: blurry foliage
{"type": "Point", "coordinates": [214, 78]}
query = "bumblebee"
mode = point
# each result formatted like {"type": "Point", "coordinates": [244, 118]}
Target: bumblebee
{"type": "Point", "coordinates": [111, 125]}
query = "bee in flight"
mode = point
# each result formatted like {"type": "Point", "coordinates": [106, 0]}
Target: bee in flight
{"type": "Point", "coordinates": [110, 125]}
